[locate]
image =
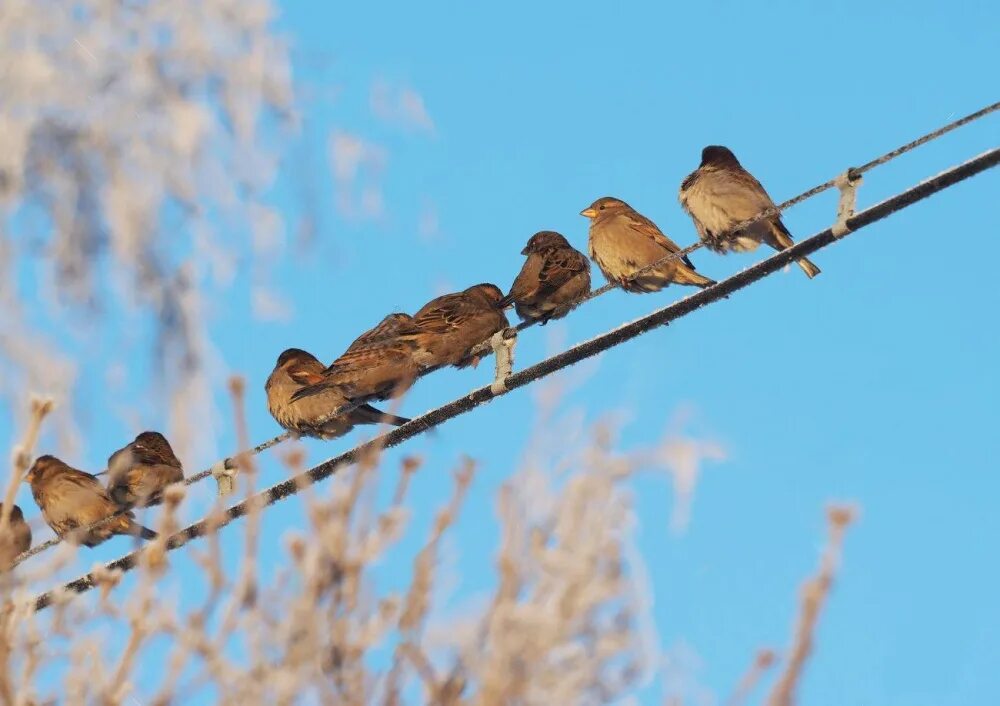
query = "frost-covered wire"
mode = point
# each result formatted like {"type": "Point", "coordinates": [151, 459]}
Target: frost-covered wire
{"type": "Point", "coordinates": [575, 354]}
{"type": "Point", "coordinates": [486, 347]}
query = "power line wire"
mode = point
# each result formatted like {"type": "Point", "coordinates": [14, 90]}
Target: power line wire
{"type": "Point", "coordinates": [485, 347]}
{"type": "Point", "coordinates": [546, 367]}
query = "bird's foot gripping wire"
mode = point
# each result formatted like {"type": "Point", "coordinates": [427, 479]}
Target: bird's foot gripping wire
{"type": "Point", "coordinates": [848, 183]}
{"type": "Point", "coordinates": [224, 473]}
{"type": "Point", "coordinates": [503, 351]}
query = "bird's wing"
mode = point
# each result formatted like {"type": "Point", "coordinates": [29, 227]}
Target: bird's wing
{"type": "Point", "coordinates": [447, 315]}
{"type": "Point", "coordinates": [80, 490]}
{"type": "Point", "coordinates": [152, 457]}
{"type": "Point", "coordinates": [561, 265]}
{"type": "Point", "coordinates": [688, 182]}
{"type": "Point", "coordinates": [386, 327]}
{"type": "Point", "coordinates": [82, 479]}
{"type": "Point", "coordinates": [753, 187]}
{"type": "Point", "coordinates": [312, 390]}
{"type": "Point", "coordinates": [526, 283]}
{"type": "Point", "coordinates": [646, 227]}
{"type": "Point", "coordinates": [369, 356]}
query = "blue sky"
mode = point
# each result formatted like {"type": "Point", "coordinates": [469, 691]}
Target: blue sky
{"type": "Point", "coordinates": [876, 382]}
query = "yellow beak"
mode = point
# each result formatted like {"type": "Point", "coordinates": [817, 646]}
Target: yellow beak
{"type": "Point", "coordinates": [589, 213]}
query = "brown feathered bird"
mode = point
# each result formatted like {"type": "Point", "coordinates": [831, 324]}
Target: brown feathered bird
{"type": "Point", "coordinates": [297, 369]}
{"type": "Point", "coordinates": [71, 500]}
{"type": "Point", "coordinates": [623, 241]}
{"type": "Point", "coordinates": [555, 275]}
{"type": "Point", "coordinates": [719, 194]}
{"type": "Point", "coordinates": [377, 364]}
{"type": "Point", "coordinates": [16, 539]}
{"type": "Point", "coordinates": [448, 327]}
{"type": "Point", "coordinates": [139, 471]}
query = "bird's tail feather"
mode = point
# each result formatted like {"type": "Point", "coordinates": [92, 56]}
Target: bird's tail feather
{"type": "Point", "coordinates": [137, 530]}
{"type": "Point", "coordinates": [371, 415]}
{"type": "Point", "coordinates": [687, 275]}
{"type": "Point", "coordinates": [808, 267]}
{"type": "Point", "coordinates": [782, 240]}
{"type": "Point", "coordinates": [309, 390]}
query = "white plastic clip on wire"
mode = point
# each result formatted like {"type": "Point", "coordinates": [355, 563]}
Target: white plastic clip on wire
{"type": "Point", "coordinates": [503, 353]}
{"type": "Point", "coordinates": [848, 183]}
{"type": "Point", "coordinates": [225, 476]}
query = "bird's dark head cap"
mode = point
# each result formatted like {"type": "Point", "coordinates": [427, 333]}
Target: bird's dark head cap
{"type": "Point", "coordinates": [486, 291]}
{"type": "Point", "coordinates": [719, 156]}
{"type": "Point", "coordinates": [42, 465]}
{"type": "Point", "coordinates": [545, 240]}
{"type": "Point", "coordinates": [294, 355]}
{"type": "Point", "coordinates": [155, 442]}
{"type": "Point", "coordinates": [15, 513]}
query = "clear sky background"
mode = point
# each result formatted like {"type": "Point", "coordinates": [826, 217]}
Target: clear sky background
{"type": "Point", "coordinates": [877, 382]}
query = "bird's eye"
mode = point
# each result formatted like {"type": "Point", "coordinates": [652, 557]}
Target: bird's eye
{"type": "Point", "coordinates": [601, 207]}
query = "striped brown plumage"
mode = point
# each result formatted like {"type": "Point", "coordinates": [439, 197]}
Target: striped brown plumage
{"type": "Point", "coordinates": [140, 471]}
{"type": "Point", "coordinates": [554, 275]}
{"type": "Point", "coordinates": [297, 369]}
{"type": "Point", "coordinates": [71, 499]}
{"type": "Point", "coordinates": [623, 241]}
{"type": "Point", "coordinates": [448, 327]}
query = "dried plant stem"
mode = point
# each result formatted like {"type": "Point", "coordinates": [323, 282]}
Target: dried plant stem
{"type": "Point", "coordinates": [20, 461]}
{"type": "Point", "coordinates": [246, 587]}
{"type": "Point", "coordinates": [814, 595]}
{"type": "Point", "coordinates": [417, 601]}
{"type": "Point", "coordinates": [22, 456]}
{"type": "Point", "coordinates": [763, 660]}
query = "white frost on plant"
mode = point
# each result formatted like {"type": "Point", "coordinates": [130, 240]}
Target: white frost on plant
{"type": "Point", "coordinates": [127, 133]}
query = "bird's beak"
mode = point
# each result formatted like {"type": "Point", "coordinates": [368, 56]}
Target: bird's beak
{"type": "Point", "coordinates": [525, 250]}
{"type": "Point", "coordinates": [589, 213]}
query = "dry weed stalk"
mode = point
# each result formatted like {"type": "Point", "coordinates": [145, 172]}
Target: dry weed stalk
{"type": "Point", "coordinates": [763, 660]}
{"type": "Point", "coordinates": [127, 128]}
{"type": "Point", "coordinates": [20, 462]}
{"type": "Point", "coordinates": [560, 627]}
{"type": "Point", "coordinates": [566, 621]}
{"type": "Point", "coordinates": [814, 595]}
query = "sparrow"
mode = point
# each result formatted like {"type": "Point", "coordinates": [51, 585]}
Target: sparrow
{"type": "Point", "coordinates": [377, 364]}
{"type": "Point", "coordinates": [447, 328]}
{"type": "Point", "coordinates": [555, 275]}
{"type": "Point", "coordinates": [71, 500]}
{"type": "Point", "coordinates": [16, 539]}
{"type": "Point", "coordinates": [719, 194]}
{"type": "Point", "coordinates": [297, 369]}
{"type": "Point", "coordinates": [138, 472]}
{"type": "Point", "coordinates": [623, 241]}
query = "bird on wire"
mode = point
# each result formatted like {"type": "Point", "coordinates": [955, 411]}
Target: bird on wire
{"type": "Point", "coordinates": [623, 241]}
{"type": "Point", "coordinates": [309, 415]}
{"type": "Point", "coordinates": [720, 194]}
{"type": "Point", "coordinates": [16, 538]}
{"type": "Point", "coordinates": [554, 276]}
{"type": "Point", "coordinates": [71, 500]}
{"type": "Point", "coordinates": [447, 328]}
{"type": "Point", "coordinates": [377, 364]}
{"type": "Point", "coordinates": [140, 471]}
